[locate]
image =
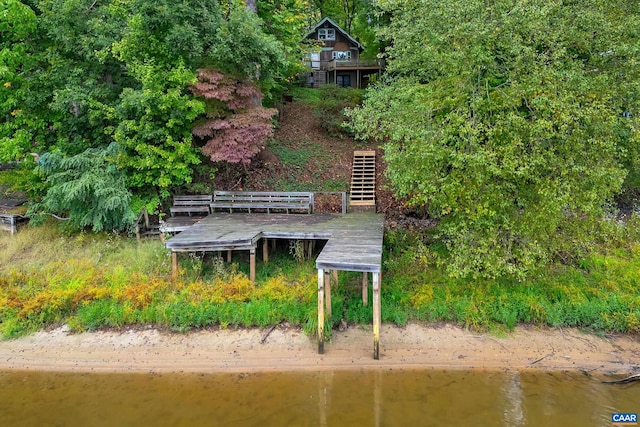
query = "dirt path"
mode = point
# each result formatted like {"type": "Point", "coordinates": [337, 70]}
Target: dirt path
{"type": "Point", "coordinates": [415, 346]}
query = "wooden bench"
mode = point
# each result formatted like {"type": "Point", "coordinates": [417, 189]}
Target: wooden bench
{"type": "Point", "coordinates": [191, 204]}
{"type": "Point", "coordinates": [195, 206]}
{"type": "Point", "coordinates": [9, 222]}
{"type": "Point", "coordinates": [298, 202]}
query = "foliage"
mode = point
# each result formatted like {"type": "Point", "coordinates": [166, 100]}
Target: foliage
{"type": "Point", "coordinates": [294, 157]}
{"type": "Point", "coordinates": [106, 280]}
{"type": "Point", "coordinates": [17, 27]}
{"type": "Point", "coordinates": [328, 104]}
{"type": "Point", "coordinates": [333, 102]}
{"type": "Point", "coordinates": [237, 126]}
{"type": "Point", "coordinates": [245, 50]}
{"type": "Point", "coordinates": [286, 20]}
{"type": "Point", "coordinates": [89, 188]}
{"type": "Point", "coordinates": [109, 281]}
{"type": "Point", "coordinates": [78, 75]}
{"type": "Point", "coordinates": [601, 294]}
{"type": "Point", "coordinates": [506, 119]}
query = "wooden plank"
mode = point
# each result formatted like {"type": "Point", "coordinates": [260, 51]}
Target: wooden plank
{"type": "Point", "coordinates": [192, 198]}
{"type": "Point", "coordinates": [354, 240]}
{"type": "Point", "coordinates": [327, 292]}
{"type": "Point", "coordinates": [265, 200]}
{"type": "Point", "coordinates": [252, 264]}
{"type": "Point", "coordinates": [365, 289]}
{"type": "Point", "coordinates": [376, 316]}
{"type": "Point", "coordinates": [320, 311]}
{"type": "Point", "coordinates": [174, 265]}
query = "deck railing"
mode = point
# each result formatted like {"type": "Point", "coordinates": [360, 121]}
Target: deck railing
{"type": "Point", "coordinates": [354, 63]}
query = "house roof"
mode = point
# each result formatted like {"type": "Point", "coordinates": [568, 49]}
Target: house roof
{"type": "Point", "coordinates": [343, 32]}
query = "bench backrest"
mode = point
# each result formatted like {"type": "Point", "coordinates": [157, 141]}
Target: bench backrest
{"type": "Point", "coordinates": [265, 200]}
{"type": "Point", "coordinates": [191, 204]}
{"type": "Point", "coordinates": [192, 200]}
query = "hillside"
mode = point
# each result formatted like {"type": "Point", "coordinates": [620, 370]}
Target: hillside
{"type": "Point", "coordinates": [303, 157]}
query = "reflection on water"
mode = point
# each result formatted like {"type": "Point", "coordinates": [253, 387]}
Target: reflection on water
{"type": "Point", "coordinates": [325, 398]}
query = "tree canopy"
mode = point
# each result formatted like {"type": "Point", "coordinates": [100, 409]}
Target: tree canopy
{"type": "Point", "coordinates": [78, 76]}
{"type": "Point", "coordinates": [514, 123]}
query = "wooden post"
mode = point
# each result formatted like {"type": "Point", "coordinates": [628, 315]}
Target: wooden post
{"type": "Point", "coordinates": [320, 311]}
{"type": "Point", "coordinates": [334, 274]}
{"type": "Point", "coordinates": [327, 291]}
{"type": "Point", "coordinates": [229, 256]}
{"type": "Point", "coordinates": [265, 250]}
{"type": "Point", "coordinates": [174, 265]}
{"type": "Point", "coordinates": [252, 264]}
{"type": "Point", "coordinates": [365, 289]}
{"type": "Point", "coordinates": [376, 315]}
{"type": "Point", "coordinates": [273, 244]}
{"type": "Point", "coordinates": [309, 248]}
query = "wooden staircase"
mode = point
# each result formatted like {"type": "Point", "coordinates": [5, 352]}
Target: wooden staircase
{"type": "Point", "coordinates": [363, 180]}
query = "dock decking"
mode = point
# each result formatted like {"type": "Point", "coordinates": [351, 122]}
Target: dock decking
{"type": "Point", "coordinates": [354, 243]}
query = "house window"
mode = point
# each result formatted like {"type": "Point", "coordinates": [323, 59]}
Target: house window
{"type": "Point", "coordinates": [314, 60]}
{"type": "Point", "coordinates": [326, 34]}
{"type": "Point", "coordinates": [341, 55]}
{"type": "Point", "coordinates": [344, 81]}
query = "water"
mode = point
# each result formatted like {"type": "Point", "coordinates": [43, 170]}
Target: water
{"type": "Point", "coordinates": [324, 398]}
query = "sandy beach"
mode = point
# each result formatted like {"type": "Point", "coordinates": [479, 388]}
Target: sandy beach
{"type": "Point", "coordinates": [285, 349]}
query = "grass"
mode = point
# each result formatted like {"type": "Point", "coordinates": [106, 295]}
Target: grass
{"type": "Point", "coordinates": [601, 295]}
{"type": "Point", "coordinates": [296, 158]}
{"type": "Point", "coordinates": [93, 281]}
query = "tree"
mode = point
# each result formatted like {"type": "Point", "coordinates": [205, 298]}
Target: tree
{"type": "Point", "coordinates": [243, 49]}
{"type": "Point", "coordinates": [89, 188]}
{"type": "Point", "coordinates": [17, 28]}
{"type": "Point", "coordinates": [506, 119]}
{"type": "Point", "coordinates": [80, 75]}
{"type": "Point", "coordinates": [237, 126]}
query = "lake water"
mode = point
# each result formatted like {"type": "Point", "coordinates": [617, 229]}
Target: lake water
{"type": "Point", "coordinates": [323, 398]}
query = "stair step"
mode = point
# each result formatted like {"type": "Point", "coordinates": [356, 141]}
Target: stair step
{"type": "Point", "coordinates": [363, 179]}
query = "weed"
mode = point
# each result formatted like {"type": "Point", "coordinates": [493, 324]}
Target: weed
{"type": "Point", "coordinates": [296, 249]}
{"type": "Point", "coordinates": [91, 281]}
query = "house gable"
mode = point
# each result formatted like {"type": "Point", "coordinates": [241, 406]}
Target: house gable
{"type": "Point", "coordinates": [334, 36]}
{"type": "Point", "coordinates": [335, 58]}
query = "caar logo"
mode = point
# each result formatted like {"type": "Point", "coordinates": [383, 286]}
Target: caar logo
{"type": "Point", "coordinates": [624, 419]}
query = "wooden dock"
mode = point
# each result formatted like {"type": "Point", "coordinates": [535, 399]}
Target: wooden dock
{"type": "Point", "coordinates": [354, 243]}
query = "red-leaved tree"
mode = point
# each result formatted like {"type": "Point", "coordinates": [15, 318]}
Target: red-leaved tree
{"type": "Point", "coordinates": [237, 126]}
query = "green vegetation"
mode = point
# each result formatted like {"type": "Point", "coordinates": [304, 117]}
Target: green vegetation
{"type": "Point", "coordinates": [106, 280]}
{"type": "Point", "coordinates": [328, 104]}
{"type": "Point", "coordinates": [509, 122]}
{"type": "Point", "coordinates": [514, 124]}
{"type": "Point", "coordinates": [77, 77]}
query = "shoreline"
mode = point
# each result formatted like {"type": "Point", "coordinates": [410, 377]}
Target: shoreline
{"type": "Point", "coordinates": [415, 346]}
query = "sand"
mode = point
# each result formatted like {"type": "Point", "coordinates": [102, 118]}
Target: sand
{"type": "Point", "coordinates": [285, 349]}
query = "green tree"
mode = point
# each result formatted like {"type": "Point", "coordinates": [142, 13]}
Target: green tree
{"type": "Point", "coordinates": [80, 75]}
{"type": "Point", "coordinates": [17, 28]}
{"type": "Point", "coordinates": [88, 188]}
{"type": "Point", "coordinates": [507, 120]}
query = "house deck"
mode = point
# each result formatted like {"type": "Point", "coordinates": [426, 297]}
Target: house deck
{"type": "Point", "coordinates": [354, 243]}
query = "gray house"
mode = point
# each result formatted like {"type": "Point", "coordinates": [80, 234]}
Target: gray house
{"type": "Point", "coordinates": [337, 59]}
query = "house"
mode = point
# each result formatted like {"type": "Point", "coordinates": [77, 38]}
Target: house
{"type": "Point", "coordinates": [337, 58]}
